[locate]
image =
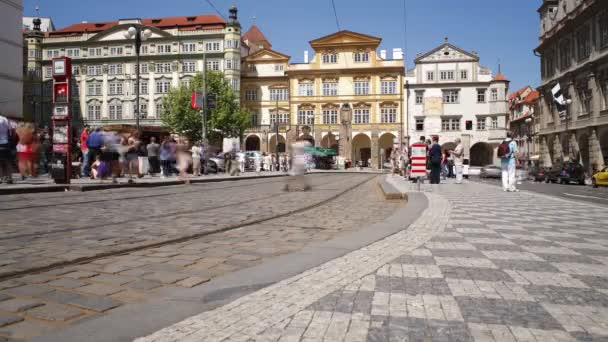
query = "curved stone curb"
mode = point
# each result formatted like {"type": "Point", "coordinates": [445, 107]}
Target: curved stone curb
{"type": "Point", "coordinates": [250, 315]}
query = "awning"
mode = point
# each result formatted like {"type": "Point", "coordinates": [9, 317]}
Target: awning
{"type": "Point", "coordinates": [535, 157]}
{"type": "Point", "coordinates": [321, 151]}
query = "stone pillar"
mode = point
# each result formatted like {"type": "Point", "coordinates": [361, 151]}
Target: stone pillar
{"type": "Point", "coordinates": [595, 152]}
{"type": "Point", "coordinates": [544, 152]}
{"type": "Point", "coordinates": [375, 149]}
{"type": "Point", "coordinates": [264, 142]}
{"type": "Point", "coordinates": [317, 134]}
{"type": "Point", "coordinates": [596, 94]}
{"type": "Point", "coordinates": [573, 148]}
{"type": "Point", "coordinates": [575, 106]}
{"type": "Point", "coordinates": [558, 152]}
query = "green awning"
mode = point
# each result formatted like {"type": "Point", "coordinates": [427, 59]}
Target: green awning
{"type": "Point", "coordinates": [321, 151]}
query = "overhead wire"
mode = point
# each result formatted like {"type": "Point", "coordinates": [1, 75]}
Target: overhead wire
{"type": "Point", "coordinates": [215, 8]}
{"type": "Point", "coordinates": [333, 4]}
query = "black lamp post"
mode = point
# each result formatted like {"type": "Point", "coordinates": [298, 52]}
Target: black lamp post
{"type": "Point", "coordinates": [140, 34]}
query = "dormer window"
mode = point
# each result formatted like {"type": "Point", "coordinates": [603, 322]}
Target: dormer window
{"type": "Point", "coordinates": [361, 57]}
{"type": "Point", "coordinates": [191, 18]}
{"type": "Point", "coordinates": [330, 58]}
{"type": "Point", "coordinates": [155, 21]}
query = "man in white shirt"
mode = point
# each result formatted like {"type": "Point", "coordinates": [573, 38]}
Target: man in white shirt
{"type": "Point", "coordinates": [458, 154]}
{"type": "Point", "coordinates": [5, 150]}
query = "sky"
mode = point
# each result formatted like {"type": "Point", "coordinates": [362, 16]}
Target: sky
{"type": "Point", "coordinates": [502, 32]}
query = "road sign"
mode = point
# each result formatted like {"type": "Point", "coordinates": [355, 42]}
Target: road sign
{"type": "Point", "coordinates": [197, 99]}
{"type": "Point", "coordinates": [418, 160]}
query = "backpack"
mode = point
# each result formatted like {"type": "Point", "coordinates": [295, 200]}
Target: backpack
{"type": "Point", "coordinates": [503, 150]}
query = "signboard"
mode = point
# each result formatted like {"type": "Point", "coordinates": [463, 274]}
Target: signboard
{"type": "Point", "coordinates": [60, 111]}
{"type": "Point", "coordinates": [197, 99]}
{"type": "Point", "coordinates": [418, 160]}
{"type": "Point", "coordinates": [58, 67]}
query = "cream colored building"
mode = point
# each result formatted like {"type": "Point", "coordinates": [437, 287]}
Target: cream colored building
{"type": "Point", "coordinates": [11, 59]}
{"type": "Point", "coordinates": [346, 95]}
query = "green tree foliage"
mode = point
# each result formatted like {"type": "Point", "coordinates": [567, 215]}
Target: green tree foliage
{"type": "Point", "coordinates": [227, 119]}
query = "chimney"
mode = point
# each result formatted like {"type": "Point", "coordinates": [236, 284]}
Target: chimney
{"type": "Point", "coordinates": [383, 54]}
{"type": "Point", "coordinates": [85, 22]}
{"type": "Point", "coordinates": [397, 54]}
{"type": "Point", "coordinates": [306, 56]}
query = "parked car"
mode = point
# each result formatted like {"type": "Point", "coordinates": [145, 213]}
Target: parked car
{"type": "Point", "coordinates": [552, 173]}
{"type": "Point", "coordinates": [537, 174]}
{"type": "Point", "coordinates": [250, 159]}
{"type": "Point", "coordinates": [216, 164]}
{"type": "Point", "coordinates": [490, 171]}
{"type": "Point", "coordinates": [572, 173]}
{"type": "Point", "coordinates": [600, 178]}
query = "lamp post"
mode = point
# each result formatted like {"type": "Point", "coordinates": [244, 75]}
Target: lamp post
{"type": "Point", "coordinates": [140, 34]}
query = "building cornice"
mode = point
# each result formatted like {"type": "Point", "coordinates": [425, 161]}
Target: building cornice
{"type": "Point", "coordinates": [343, 71]}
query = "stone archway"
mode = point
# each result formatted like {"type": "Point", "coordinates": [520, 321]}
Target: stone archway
{"type": "Point", "coordinates": [448, 146]}
{"type": "Point", "coordinates": [482, 154]}
{"type": "Point", "coordinates": [386, 143]}
{"type": "Point", "coordinates": [330, 140]}
{"type": "Point", "coordinates": [272, 144]}
{"type": "Point", "coordinates": [252, 143]}
{"type": "Point", "coordinates": [361, 149]}
{"type": "Point", "coordinates": [308, 138]}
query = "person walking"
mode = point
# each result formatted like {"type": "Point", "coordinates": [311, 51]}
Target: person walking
{"type": "Point", "coordinates": [6, 140]}
{"type": "Point", "coordinates": [450, 164]}
{"type": "Point", "coordinates": [507, 151]}
{"type": "Point", "coordinates": [435, 160]}
{"type": "Point", "coordinates": [153, 161]}
{"type": "Point", "coordinates": [458, 156]}
{"type": "Point", "coordinates": [143, 166]}
{"type": "Point", "coordinates": [94, 143]}
{"type": "Point", "coordinates": [84, 171]}
{"type": "Point", "coordinates": [165, 157]}
{"type": "Point", "coordinates": [184, 159]}
{"type": "Point", "coordinates": [196, 151]}
{"type": "Point", "coordinates": [132, 157]}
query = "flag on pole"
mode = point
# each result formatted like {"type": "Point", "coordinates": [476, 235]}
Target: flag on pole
{"type": "Point", "coordinates": [558, 98]}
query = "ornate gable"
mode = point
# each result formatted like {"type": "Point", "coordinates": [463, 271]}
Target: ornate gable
{"type": "Point", "coordinates": [267, 55]}
{"type": "Point", "coordinates": [117, 32]}
{"type": "Point", "coordinates": [446, 53]}
{"type": "Point", "coordinates": [345, 38]}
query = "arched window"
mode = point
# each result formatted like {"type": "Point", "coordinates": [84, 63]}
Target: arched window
{"type": "Point", "coordinates": [115, 110]}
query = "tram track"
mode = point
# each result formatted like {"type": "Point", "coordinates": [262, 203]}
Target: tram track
{"type": "Point", "coordinates": [64, 263]}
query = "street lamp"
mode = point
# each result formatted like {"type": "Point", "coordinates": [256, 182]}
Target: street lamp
{"type": "Point", "coordinates": [140, 36]}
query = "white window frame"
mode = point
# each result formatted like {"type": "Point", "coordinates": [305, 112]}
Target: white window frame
{"type": "Point", "coordinates": [330, 89]}
{"type": "Point", "coordinates": [94, 70]}
{"type": "Point", "coordinates": [163, 68]}
{"type": "Point", "coordinates": [279, 94]}
{"type": "Point", "coordinates": [494, 122]}
{"type": "Point", "coordinates": [306, 116]}
{"type": "Point", "coordinates": [94, 89]}
{"type": "Point", "coordinates": [430, 76]}
{"type": "Point", "coordinates": [188, 47]}
{"type": "Point", "coordinates": [283, 118]}
{"type": "Point", "coordinates": [481, 95]}
{"type": "Point", "coordinates": [388, 87]}
{"type": "Point", "coordinates": [213, 65]}
{"type": "Point", "coordinates": [481, 123]}
{"type": "Point", "coordinates": [419, 121]}
{"type": "Point", "coordinates": [361, 87]}
{"type": "Point", "coordinates": [388, 114]}
{"type": "Point", "coordinates": [143, 87]}
{"type": "Point", "coordinates": [163, 48]}
{"type": "Point", "coordinates": [306, 89]}
{"type": "Point", "coordinates": [330, 116]}
{"type": "Point", "coordinates": [94, 111]}
{"type": "Point", "coordinates": [464, 74]}
{"type": "Point", "coordinates": [163, 86]}
{"type": "Point", "coordinates": [189, 66]}
{"type": "Point", "coordinates": [451, 96]}
{"type": "Point", "coordinates": [361, 116]}
{"type": "Point", "coordinates": [158, 108]}
{"type": "Point", "coordinates": [419, 97]}
{"type": "Point", "coordinates": [48, 71]}
{"type": "Point", "coordinates": [116, 51]}
{"type": "Point", "coordinates": [95, 52]}
{"type": "Point", "coordinates": [450, 124]}
{"type": "Point", "coordinates": [144, 50]}
{"type": "Point", "coordinates": [72, 52]}
{"type": "Point", "coordinates": [115, 88]}
{"type": "Point", "coordinates": [361, 57]}
{"type": "Point", "coordinates": [115, 69]}
{"type": "Point", "coordinates": [213, 46]}
{"type": "Point", "coordinates": [115, 111]}
{"type": "Point", "coordinates": [279, 67]}
{"type": "Point", "coordinates": [251, 95]}
{"type": "Point", "coordinates": [494, 94]}
{"type": "Point", "coordinates": [143, 68]}
{"type": "Point", "coordinates": [446, 75]}
{"type": "Point", "coordinates": [330, 58]}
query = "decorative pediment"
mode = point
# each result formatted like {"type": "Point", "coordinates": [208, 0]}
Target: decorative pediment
{"type": "Point", "coordinates": [360, 105]}
{"type": "Point", "coordinates": [362, 78]}
{"type": "Point", "coordinates": [281, 109]}
{"type": "Point", "coordinates": [308, 106]}
{"type": "Point", "coordinates": [446, 53]}
{"type": "Point", "coordinates": [330, 106]}
{"type": "Point", "coordinates": [306, 80]}
{"type": "Point", "coordinates": [267, 55]}
{"type": "Point", "coordinates": [345, 38]}
{"type": "Point", "coordinates": [389, 104]}
{"type": "Point", "coordinates": [388, 78]}
{"type": "Point", "coordinates": [278, 86]}
{"type": "Point", "coordinates": [330, 80]}
{"type": "Point", "coordinates": [117, 32]}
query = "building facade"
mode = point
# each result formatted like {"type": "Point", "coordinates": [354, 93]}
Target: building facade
{"type": "Point", "coordinates": [450, 95]}
{"type": "Point", "coordinates": [11, 65]}
{"type": "Point", "coordinates": [346, 95]}
{"type": "Point", "coordinates": [573, 48]}
{"type": "Point", "coordinates": [104, 63]}
{"type": "Point", "coordinates": [524, 123]}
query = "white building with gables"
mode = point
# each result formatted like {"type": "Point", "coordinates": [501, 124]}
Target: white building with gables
{"type": "Point", "coordinates": [449, 94]}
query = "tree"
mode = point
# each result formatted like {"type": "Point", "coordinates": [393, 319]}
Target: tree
{"type": "Point", "coordinates": [227, 119]}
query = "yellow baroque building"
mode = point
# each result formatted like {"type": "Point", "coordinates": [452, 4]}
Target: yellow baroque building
{"type": "Point", "coordinates": [347, 96]}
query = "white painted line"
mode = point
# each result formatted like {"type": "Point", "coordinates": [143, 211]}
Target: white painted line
{"type": "Point", "coordinates": [583, 196]}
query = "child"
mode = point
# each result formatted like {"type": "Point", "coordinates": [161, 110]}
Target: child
{"type": "Point", "coordinates": [100, 169]}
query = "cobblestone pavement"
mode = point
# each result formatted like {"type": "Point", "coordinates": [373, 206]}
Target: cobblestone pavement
{"type": "Point", "coordinates": [38, 304]}
{"type": "Point", "coordinates": [479, 265]}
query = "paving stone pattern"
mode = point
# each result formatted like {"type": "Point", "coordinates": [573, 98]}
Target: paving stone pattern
{"type": "Point", "coordinates": [87, 290]}
{"type": "Point", "coordinates": [503, 267]}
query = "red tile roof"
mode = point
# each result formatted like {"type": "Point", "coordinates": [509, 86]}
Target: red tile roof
{"type": "Point", "coordinates": [254, 35]}
{"type": "Point", "coordinates": [517, 93]}
{"type": "Point", "coordinates": [500, 77]}
{"type": "Point", "coordinates": [532, 97]}
{"type": "Point", "coordinates": [206, 21]}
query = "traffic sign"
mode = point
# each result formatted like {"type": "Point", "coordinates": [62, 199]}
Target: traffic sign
{"type": "Point", "coordinates": [418, 160]}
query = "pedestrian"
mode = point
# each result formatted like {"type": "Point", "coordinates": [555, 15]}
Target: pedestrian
{"type": "Point", "coordinates": [458, 155]}
{"type": "Point", "coordinates": [94, 143]}
{"type": "Point", "coordinates": [435, 160]}
{"type": "Point", "coordinates": [45, 153]}
{"type": "Point", "coordinates": [227, 162]}
{"type": "Point", "coordinates": [184, 159]}
{"type": "Point", "coordinates": [165, 157]}
{"type": "Point", "coordinates": [27, 150]}
{"type": "Point", "coordinates": [142, 159]}
{"type": "Point", "coordinates": [241, 161]}
{"type": "Point", "coordinates": [450, 164]}
{"type": "Point", "coordinates": [153, 161]}
{"type": "Point", "coordinates": [6, 142]}
{"type": "Point", "coordinates": [507, 151]}
{"type": "Point", "coordinates": [257, 161]}
{"type": "Point", "coordinates": [112, 151]}
{"type": "Point", "coordinates": [196, 151]}
{"type": "Point", "coordinates": [444, 165]}
{"type": "Point", "coordinates": [84, 135]}
{"type": "Point", "coordinates": [132, 162]}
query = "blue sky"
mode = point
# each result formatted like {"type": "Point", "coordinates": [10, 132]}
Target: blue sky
{"type": "Point", "coordinates": [497, 31]}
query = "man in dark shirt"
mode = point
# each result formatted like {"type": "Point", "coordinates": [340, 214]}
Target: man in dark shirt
{"type": "Point", "coordinates": [435, 159]}
{"type": "Point", "coordinates": [94, 144]}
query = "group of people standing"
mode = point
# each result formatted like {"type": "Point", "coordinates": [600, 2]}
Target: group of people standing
{"type": "Point", "coordinates": [449, 163]}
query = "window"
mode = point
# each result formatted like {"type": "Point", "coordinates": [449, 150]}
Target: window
{"type": "Point", "coordinates": [162, 87]}
{"type": "Point", "coordinates": [419, 97]}
{"type": "Point", "coordinates": [213, 65]}
{"type": "Point", "coordinates": [282, 118]}
{"type": "Point", "coordinates": [306, 89]}
{"type": "Point", "coordinates": [361, 57]}
{"type": "Point", "coordinates": [143, 68]}
{"type": "Point", "coordinates": [430, 76]}
{"type": "Point", "coordinates": [94, 89]}
{"type": "Point", "coordinates": [446, 75]}
{"type": "Point", "coordinates": [31, 53]}
{"type": "Point", "coordinates": [189, 67]}
{"type": "Point", "coordinates": [229, 64]}
{"type": "Point", "coordinates": [494, 123]}
{"type": "Point", "coordinates": [464, 74]}
{"type": "Point", "coordinates": [188, 47]}
{"type": "Point", "coordinates": [76, 70]}
{"type": "Point", "coordinates": [420, 124]}
{"type": "Point", "coordinates": [94, 112]}
{"type": "Point", "coordinates": [116, 51]}
{"type": "Point", "coordinates": [565, 56]}
{"type": "Point", "coordinates": [481, 95]}
{"type": "Point", "coordinates": [362, 88]}
{"type": "Point", "coordinates": [388, 87]}
{"type": "Point", "coordinates": [235, 84]}
{"type": "Point", "coordinates": [468, 125]}
{"type": "Point", "coordinates": [330, 89]}
{"type": "Point", "coordinates": [450, 96]}
{"type": "Point", "coordinates": [306, 117]}
{"type": "Point", "coordinates": [163, 68]}
{"type": "Point", "coordinates": [254, 119]}
{"type": "Point", "coordinates": [361, 116]}
{"type": "Point", "coordinates": [115, 110]}
{"type": "Point", "coordinates": [114, 69]}
{"type": "Point", "coordinates": [212, 46]}
{"type": "Point", "coordinates": [494, 95]}
{"type": "Point", "coordinates": [143, 49]}
{"type": "Point", "coordinates": [143, 110]}
{"type": "Point", "coordinates": [163, 48]}
{"type": "Point", "coordinates": [481, 124]}
{"type": "Point", "coordinates": [48, 71]}
{"type": "Point", "coordinates": [330, 116]}
{"type": "Point", "coordinates": [279, 94]}
{"type": "Point", "coordinates": [115, 88]}
{"type": "Point", "coordinates": [388, 115]}
{"type": "Point", "coordinates": [253, 68]}
{"type": "Point", "coordinates": [159, 109]}
{"type": "Point", "coordinates": [450, 124]}
{"type": "Point", "coordinates": [52, 54]}
{"type": "Point", "coordinates": [232, 44]}
{"type": "Point", "coordinates": [143, 87]}
{"type": "Point", "coordinates": [185, 82]}
{"type": "Point", "coordinates": [278, 67]}
{"type": "Point", "coordinates": [603, 29]}
{"type": "Point", "coordinates": [251, 94]}
{"type": "Point", "coordinates": [584, 95]}
{"type": "Point", "coordinates": [583, 42]}
{"type": "Point", "coordinates": [74, 52]}
{"type": "Point", "coordinates": [330, 58]}
{"type": "Point", "coordinates": [95, 52]}
{"type": "Point", "coordinates": [94, 70]}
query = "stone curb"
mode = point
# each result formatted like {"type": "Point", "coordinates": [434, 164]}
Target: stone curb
{"type": "Point", "coordinates": [390, 192]}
